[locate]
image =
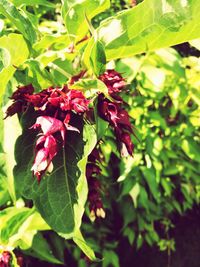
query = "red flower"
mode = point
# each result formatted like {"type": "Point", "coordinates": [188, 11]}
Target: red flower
{"type": "Point", "coordinates": [46, 146]}
{"type": "Point", "coordinates": [113, 80]}
{"type": "Point", "coordinates": [5, 259]}
{"type": "Point", "coordinates": [50, 126]}
{"type": "Point", "coordinates": [126, 144]}
{"type": "Point", "coordinates": [22, 91]}
{"type": "Point", "coordinates": [60, 98]}
{"type": "Point", "coordinates": [114, 113]}
{"type": "Point", "coordinates": [75, 101]}
{"type": "Point", "coordinates": [46, 149]}
{"type": "Point", "coordinates": [94, 198]}
{"type": "Point", "coordinates": [19, 98]}
{"type": "Point", "coordinates": [16, 107]}
{"type": "Point", "coordinates": [119, 119]}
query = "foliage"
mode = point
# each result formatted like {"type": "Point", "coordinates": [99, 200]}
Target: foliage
{"type": "Point", "coordinates": [71, 45]}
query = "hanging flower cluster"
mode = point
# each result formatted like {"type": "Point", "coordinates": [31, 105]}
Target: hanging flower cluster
{"type": "Point", "coordinates": [118, 118]}
{"type": "Point", "coordinates": [114, 113]}
{"type": "Point", "coordinates": [54, 107]}
{"type": "Point", "coordinates": [92, 172]}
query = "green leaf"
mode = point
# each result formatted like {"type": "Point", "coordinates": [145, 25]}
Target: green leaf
{"type": "Point", "coordinates": [150, 178]}
{"type": "Point", "coordinates": [4, 58]}
{"type": "Point", "coordinates": [16, 52]}
{"type": "Point", "coordinates": [4, 195]}
{"type": "Point", "coordinates": [134, 193]}
{"type": "Point", "coordinates": [11, 220]}
{"type": "Point", "coordinates": [90, 87]}
{"type": "Point", "coordinates": [46, 3]}
{"type": "Point", "coordinates": [98, 58]}
{"type": "Point", "coordinates": [79, 240]}
{"type": "Point", "coordinates": [74, 14]}
{"type": "Point", "coordinates": [110, 259]}
{"type": "Point", "coordinates": [54, 41]}
{"type": "Point", "coordinates": [10, 125]}
{"type": "Point", "coordinates": [42, 250]}
{"type": "Point", "coordinates": [150, 25]}
{"type": "Point", "coordinates": [130, 234]}
{"type": "Point", "coordinates": [143, 198]}
{"type": "Point", "coordinates": [60, 197]}
{"type": "Point", "coordinates": [139, 241]}
{"type": "Point", "coordinates": [19, 19]}
{"type": "Point", "coordinates": [191, 149]}
{"type": "Point", "coordinates": [23, 238]}
{"type": "Point", "coordinates": [4, 187]}
{"type": "Point", "coordinates": [40, 77]}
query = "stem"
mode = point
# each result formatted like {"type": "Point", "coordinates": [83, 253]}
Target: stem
{"type": "Point", "coordinates": [63, 72]}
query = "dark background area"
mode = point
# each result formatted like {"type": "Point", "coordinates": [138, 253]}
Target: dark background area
{"type": "Point", "coordinates": [187, 238]}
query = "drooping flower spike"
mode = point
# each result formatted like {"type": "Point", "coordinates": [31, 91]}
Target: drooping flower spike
{"type": "Point", "coordinates": [94, 185]}
{"type": "Point", "coordinates": [114, 113]}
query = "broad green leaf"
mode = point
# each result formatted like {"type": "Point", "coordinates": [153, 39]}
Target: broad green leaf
{"type": "Point", "coordinates": [60, 197]}
{"type": "Point", "coordinates": [150, 25]}
{"type": "Point", "coordinates": [46, 3]}
{"type": "Point", "coordinates": [17, 52]}
{"type": "Point", "coordinates": [75, 12]}
{"type": "Point", "coordinates": [19, 19]}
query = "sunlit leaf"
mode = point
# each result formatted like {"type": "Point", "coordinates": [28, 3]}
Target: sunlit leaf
{"type": "Point", "coordinates": [19, 20]}
{"type": "Point", "coordinates": [150, 25]}
{"type": "Point", "coordinates": [74, 14]}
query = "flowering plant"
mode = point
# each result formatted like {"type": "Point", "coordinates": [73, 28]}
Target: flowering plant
{"type": "Point", "coordinates": [68, 98]}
